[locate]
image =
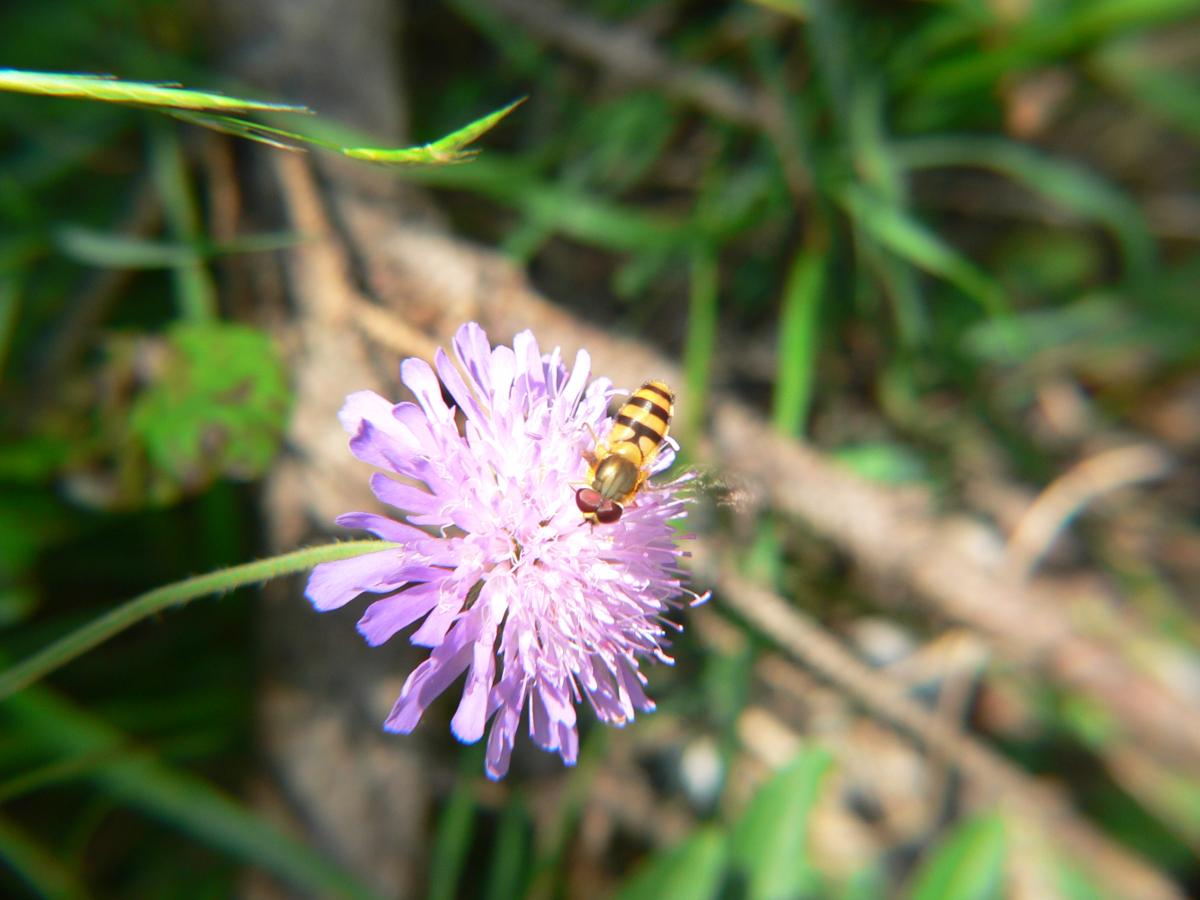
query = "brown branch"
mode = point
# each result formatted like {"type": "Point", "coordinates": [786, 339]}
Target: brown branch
{"type": "Point", "coordinates": [1068, 494]}
{"type": "Point", "coordinates": [939, 560]}
{"type": "Point", "coordinates": [809, 643]}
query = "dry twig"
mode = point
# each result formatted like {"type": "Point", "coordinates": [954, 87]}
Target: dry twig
{"type": "Point", "coordinates": [817, 650]}
{"type": "Point", "coordinates": [1067, 495]}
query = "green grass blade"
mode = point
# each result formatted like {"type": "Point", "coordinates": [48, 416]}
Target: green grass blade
{"type": "Point", "coordinates": [902, 286]}
{"type": "Point", "coordinates": [518, 49]}
{"type": "Point", "coordinates": [798, 351]}
{"type": "Point", "coordinates": [796, 9]}
{"type": "Point", "coordinates": [212, 110]}
{"type": "Point", "coordinates": [571, 211]}
{"type": "Point", "coordinates": [690, 871]}
{"type": "Point", "coordinates": [179, 799]}
{"type": "Point", "coordinates": [455, 828]}
{"type": "Point", "coordinates": [444, 151]}
{"type": "Point", "coordinates": [1073, 188]}
{"type": "Point", "coordinates": [37, 866]}
{"type": "Point", "coordinates": [139, 93]}
{"type": "Point", "coordinates": [1100, 19]}
{"type": "Point", "coordinates": [910, 239]}
{"type": "Point", "coordinates": [1045, 38]}
{"type": "Point", "coordinates": [565, 209]}
{"type": "Point", "coordinates": [968, 865]}
{"type": "Point", "coordinates": [116, 620]}
{"type": "Point", "coordinates": [873, 156]}
{"type": "Point", "coordinates": [10, 305]}
{"type": "Point", "coordinates": [116, 251]}
{"type": "Point", "coordinates": [831, 43]}
{"type": "Point", "coordinates": [769, 843]}
{"type": "Point", "coordinates": [1172, 96]}
{"type": "Point", "coordinates": [556, 831]}
{"type": "Point", "coordinates": [195, 293]}
{"type": "Point", "coordinates": [700, 340]}
{"type": "Point", "coordinates": [278, 138]}
{"type": "Point", "coordinates": [448, 149]}
{"type": "Point", "coordinates": [510, 852]}
{"type": "Point", "coordinates": [60, 771]}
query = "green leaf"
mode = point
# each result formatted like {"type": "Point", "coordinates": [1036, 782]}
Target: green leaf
{"type": "Point", "coordinates": [219, 406]}
{"type": "Point", "coordinates": [691, 870]}
{"type": "Point", "coordinates": [769, 843]}
{"type": "Point", "coordinates": [967, 865]}
{"type": "Point", "coordinates": [882, 461]}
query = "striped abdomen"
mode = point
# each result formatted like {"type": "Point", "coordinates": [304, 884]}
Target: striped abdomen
{"type": "Point", "coordinates": [638, 431]}
{"type": "Point", "coordinates": [643, 421]}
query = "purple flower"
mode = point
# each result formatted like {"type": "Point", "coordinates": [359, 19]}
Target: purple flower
{"type": "Point", "coordinates": [536, 605]}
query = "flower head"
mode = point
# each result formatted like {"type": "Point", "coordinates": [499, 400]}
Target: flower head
{"type": "Point", "coordinates": [538, 606]}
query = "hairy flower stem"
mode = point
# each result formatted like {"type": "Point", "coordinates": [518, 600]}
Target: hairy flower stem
{"type": "Point", "coordinates": [117, 620]}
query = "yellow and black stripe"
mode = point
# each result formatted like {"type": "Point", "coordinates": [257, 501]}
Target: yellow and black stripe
{"type": "Point", "coordinates": [643, 419]}
{"type": "Point", "coordinates": [619, 466]}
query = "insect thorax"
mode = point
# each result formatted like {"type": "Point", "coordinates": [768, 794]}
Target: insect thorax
{"type": "Point", "coordinates": [616, 475]}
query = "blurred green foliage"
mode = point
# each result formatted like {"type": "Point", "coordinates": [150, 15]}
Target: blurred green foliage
{"type": "Point", "coordinates": [908, 221]}
{"type": "Point", "coordinates": [218, 407]}
{"type": "Point", "coordinates": [968, 865]}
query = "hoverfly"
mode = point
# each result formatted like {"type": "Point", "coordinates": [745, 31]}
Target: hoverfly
{"type": "Point", "coordinates": [620, 464]}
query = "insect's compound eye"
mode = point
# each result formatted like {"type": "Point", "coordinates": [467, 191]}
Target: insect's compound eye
{"type": "Point", "coordinates": [588, 500]}
{"type": "Point", "coordinates": [608, 512]}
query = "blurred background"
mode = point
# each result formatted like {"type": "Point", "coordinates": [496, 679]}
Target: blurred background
{"type": "Point", "coordinates": [925, 275]}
